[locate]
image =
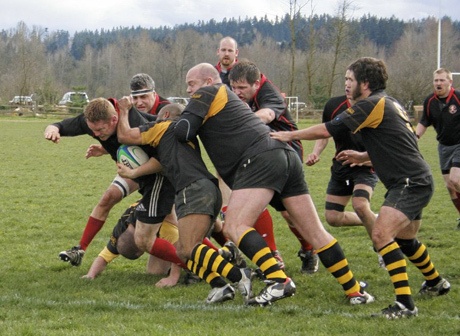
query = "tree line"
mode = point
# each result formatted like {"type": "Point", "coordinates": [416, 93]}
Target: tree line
{"type": "Point", "coordinates": [303, 56]}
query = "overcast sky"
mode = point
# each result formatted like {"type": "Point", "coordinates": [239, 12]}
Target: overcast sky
{"type": "Point", "coordinates": [78, 15]}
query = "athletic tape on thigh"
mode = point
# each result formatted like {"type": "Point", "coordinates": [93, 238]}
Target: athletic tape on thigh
{"type": "Point", "coordinates": [335, 206]}
{"type": "Point", "coordinates": [362, 193]}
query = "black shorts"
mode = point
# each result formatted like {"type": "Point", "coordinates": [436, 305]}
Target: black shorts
{"type": "Point", "coordinates": [344, 187]}
{"type": "Point", "coordinates": [410, 196]}
{"type": "Point", "coordinates": [157, 200]}
{"type": "Point", "coordinates": [279, 169]}
{"type": "Point", "coordinates": [449, 156]}
{"type": "Point", "coordinates": [200, 197]}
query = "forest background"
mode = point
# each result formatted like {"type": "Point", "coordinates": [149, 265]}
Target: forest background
{"type": "Point", "coordinates": [305, 56]}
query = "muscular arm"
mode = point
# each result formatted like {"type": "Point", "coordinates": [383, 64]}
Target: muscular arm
{"type": "Point", "coordinates": [126, 134]}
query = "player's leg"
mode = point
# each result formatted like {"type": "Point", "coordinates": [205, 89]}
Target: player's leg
{"type": "Point", "coordinates": [119, 189]}
{"type": "Point", "coordinates": [197, 206]}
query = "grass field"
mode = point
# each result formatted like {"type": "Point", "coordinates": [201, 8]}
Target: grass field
{"type": "Point", "coordinates": [49, 190]}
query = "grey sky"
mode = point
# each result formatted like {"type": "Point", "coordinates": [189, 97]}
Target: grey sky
{"type": "Point", "coordinates": [78, 15]}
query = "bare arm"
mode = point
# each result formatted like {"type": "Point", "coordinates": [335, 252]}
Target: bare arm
{"type": "Point", "coordinates": [420, 130]}
{"type": "Point", "coordinates": [353, 158]}
{"type": "Point", "coordinates": [314, 156]}
{"type": "Point", "coordinates": [126, 134]}
{"type": "Point", "coordinates": [311, 133]}
{"type": "Point", "coordinates": [266, 115]}
{"type": "Point", "coordinates": [97, 267]}
{"type": "Point", "coordinates": [152, 166]}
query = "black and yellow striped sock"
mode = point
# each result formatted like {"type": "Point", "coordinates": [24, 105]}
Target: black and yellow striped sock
{"type": "Point", "coordinates": [210, 259]}
{"type": "Point", "coordinates": [255, 248]}
{"type": "Point", "coordinates": [212, 278]}
{"type": "Point", "coordinates": [332, 257]}
{"type": "Point", "coordinates": [417, 253]}
{"type": "Point", "coordinates": [397, 268]}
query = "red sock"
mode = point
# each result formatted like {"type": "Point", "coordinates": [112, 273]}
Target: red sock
{"type": "Point", "coordinates": [209, 244]}
{"type": "Point", "coordinates": [306, 246]}
{"type": "Point", "coordinates": [264, 226]}
{"type": "Point", "coordinates": [93, 226]}
{"type": "Point", "coordinates": [163, 249]}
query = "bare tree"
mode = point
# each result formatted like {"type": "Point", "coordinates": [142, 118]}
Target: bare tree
{"type": "Point", "coordinates": [339, 41]}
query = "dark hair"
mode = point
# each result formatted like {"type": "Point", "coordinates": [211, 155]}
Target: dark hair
{"type": "Point", "coordinates": [126, 245]}
{"type": "Point", "coordinates": [370, 70]}
{"type": "Point", "coordinates": [244, 70]}
{"type": "Point", "coordinates": [142, 81]}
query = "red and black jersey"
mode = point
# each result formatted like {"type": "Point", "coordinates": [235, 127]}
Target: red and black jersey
{"type": "Point", "coordinates": [444, 115]}
{"type": "Point", "coordinates": [160, 102]}
{"type": "Point", "coordinates": [269, 96]}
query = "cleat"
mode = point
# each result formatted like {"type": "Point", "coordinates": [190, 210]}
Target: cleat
{"type": "Point", "coordinates": [231, 253]}
{"type": "Point", "coordinates": [74, 255]}
{"type": "Point", "coordinates": [191, 278]}
{"type": "Point", "coordinates": [310, 261]}
{"type": "Point", "coordinates": [397, 311]}
{"type": "Point", "coordinates": [361, 297]}
{"type": "Point", "coordinates": [442, 287]}
{"type": "Point", "coordinates": [274, 291]}
{"type": "Point", "coordinates": [221, 294]}
{"type": "Point", "coordinates": [245, 284]}
{"type": "Point", "coordinates": [279, 259]}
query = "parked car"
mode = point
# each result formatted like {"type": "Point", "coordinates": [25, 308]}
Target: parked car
{"type": "Point", "coordinates": [74, 98]}
{"type": "Point", "coordinates": [22, 100]}
{"type": "Point", "coordinates": [179, 100]}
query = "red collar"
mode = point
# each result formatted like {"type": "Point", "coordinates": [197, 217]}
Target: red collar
{"type": "Point", "coordinates": [449, 96]}
{"type": "Point", "coordinates": [155, 105]}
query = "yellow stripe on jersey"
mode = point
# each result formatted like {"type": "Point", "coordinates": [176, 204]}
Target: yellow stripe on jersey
{"type": "Point", "coordinates": [374, 118]}
{"type": "Point", "coordinates": [154, 134]}
{"type": "Point", "coordinates": [219, 102]}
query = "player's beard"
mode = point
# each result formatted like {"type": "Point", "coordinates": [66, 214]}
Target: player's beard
{"type": "Point", "coordinates": [226, 61]}
{"type": "Point", "coordinates": [356, 93]}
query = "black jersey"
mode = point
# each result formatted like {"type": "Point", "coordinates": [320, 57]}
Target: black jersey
{"type": "Point", "coordinates": [388, 136]}
{"type": "Point", "coordinates": [344, 140]}
{"type": "Point", "coordinates": [268, 96]}
{"type": "Point", "coordinates": [444, 115]}
{"type": "Point", "coordinates": [181, 161]}
{"type": "Point", "coordinates": [230, 132]}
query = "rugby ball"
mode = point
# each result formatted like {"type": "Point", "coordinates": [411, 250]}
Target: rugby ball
{"type": "Point", "coordinates": [131, 156]}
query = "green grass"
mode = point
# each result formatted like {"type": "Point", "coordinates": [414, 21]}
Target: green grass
{"type": "Point", "coordinates": [49, 190]}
